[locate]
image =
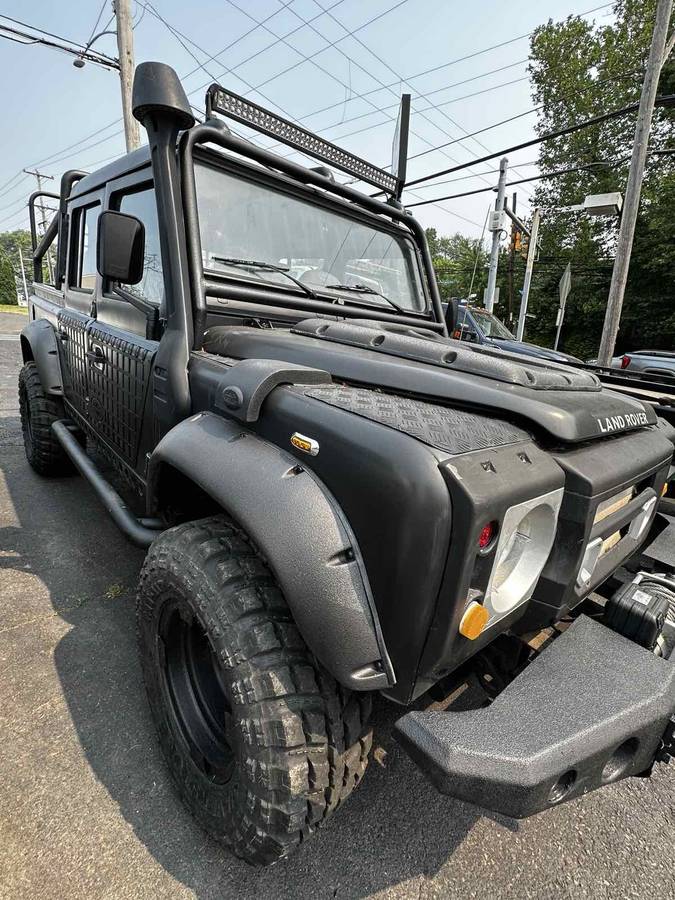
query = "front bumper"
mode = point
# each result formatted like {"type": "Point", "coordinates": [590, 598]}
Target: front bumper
{"type": "Point", "coordinates": [591, 709]}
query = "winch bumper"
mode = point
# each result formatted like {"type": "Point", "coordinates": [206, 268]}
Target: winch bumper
{"type": "Point", "coordinates": [593, 708]}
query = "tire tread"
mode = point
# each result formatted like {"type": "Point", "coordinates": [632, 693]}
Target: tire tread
{"type": "Point", "coordinates": [304, 739]}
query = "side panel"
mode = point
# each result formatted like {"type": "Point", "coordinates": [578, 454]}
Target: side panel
{"type": "Point", "coordinates": [39, 342]}
{"type": "Point", "coordinates": [300, 530]}
{"type": "Point", "coordinates": [72, 334]}
{"type": "Point", "coordinates": [118, 387]}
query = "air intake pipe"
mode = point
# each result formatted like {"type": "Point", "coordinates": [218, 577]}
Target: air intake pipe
{"type": "Point", "coordinates": [161, 106]}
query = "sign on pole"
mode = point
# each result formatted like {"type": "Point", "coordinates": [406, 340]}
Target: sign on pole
{"type": "Point", "coordinates": [564, 288]}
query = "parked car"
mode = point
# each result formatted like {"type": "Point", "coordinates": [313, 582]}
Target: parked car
{"type": "Point", "coordinates": [478, 326]}
{"type": "Point", "coordinates": [649, 362]}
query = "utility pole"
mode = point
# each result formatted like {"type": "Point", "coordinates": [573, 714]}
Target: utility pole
{"type": "Point", "coordinates": [531, 253]}
{"type": "Point", "coordinates": [635, 174]}
{"type": "Point", "coordinates": [43, 216]}
{"type": "Point", "coordinates": [125, 48]}
{"type": "Point", "coordinates": [496, 227]}
{"type": "Point", "coordinates": [512, 256]}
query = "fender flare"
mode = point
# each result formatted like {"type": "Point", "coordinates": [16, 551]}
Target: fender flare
{"type": "Point", "coordinates": [39, 343]}
{"type": "Point", "coordinates": [302, 533]}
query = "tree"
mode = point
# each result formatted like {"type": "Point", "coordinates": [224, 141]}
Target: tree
{"type": "Point", "coordinates": [578, 71]}
{"type": "Point", "coordinates": [7, 281]}
{"type": "Point", "coordinates": [460, 264]}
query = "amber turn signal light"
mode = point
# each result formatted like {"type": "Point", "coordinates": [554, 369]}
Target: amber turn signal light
{"type": "Point", "coordinates": [474, 620]}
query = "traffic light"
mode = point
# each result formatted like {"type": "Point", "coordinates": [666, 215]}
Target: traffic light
{"type": "Point", "coordinates": [524, 245]}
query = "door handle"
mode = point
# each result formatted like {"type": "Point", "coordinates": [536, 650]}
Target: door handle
{"type": "Point", "coordinates": [96, 356]}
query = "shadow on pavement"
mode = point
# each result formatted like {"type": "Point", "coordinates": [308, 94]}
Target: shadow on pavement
{"type": "Point", "coordinates": [394, 828]}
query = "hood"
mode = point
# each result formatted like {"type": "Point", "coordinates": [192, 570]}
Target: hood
{"type": "Point", "coordinates": [513, 346]}
{"type": "Point", "coordinates": [562, 403]}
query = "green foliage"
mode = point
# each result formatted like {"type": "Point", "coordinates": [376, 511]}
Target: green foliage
{"type": "Point", "coordinates": [7, 281]}
{"type": "Point", "coordinates": [579, 71]}
{"type": "Point", "coordinates": [10, 241]}
{"type": "Point", "coordinates": [460, 264]}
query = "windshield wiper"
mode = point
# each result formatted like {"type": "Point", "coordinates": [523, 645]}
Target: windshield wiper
{"type": "Point", "coordinates": [364, 289]}
{"type": "Point", "coordinates": [255, 265]}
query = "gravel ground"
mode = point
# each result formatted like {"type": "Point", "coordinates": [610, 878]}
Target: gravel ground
{"type": "Point", "coordinates": [86, 806]}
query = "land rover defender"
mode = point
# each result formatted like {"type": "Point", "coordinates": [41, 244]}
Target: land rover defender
{"type": "Point", "coordinates": [337, 499]}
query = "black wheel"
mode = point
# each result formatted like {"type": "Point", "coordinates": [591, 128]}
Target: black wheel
{"type": "Point", "coordinates": [38, 411]}
{"type": "Point", "coordinates": [262, 743]}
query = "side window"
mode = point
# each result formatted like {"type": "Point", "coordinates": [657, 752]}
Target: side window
{"type": "Point", "coordinates": [143, 205]}
{"type": "Point", "coordinates": [82, 272]}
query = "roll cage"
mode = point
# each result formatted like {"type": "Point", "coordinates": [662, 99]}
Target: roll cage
{"type": "Point", "coordinates": [318, 187]}
{"type": "Point", "coordinates": [176, 143]}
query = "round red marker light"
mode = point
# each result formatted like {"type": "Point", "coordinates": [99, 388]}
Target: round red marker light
{"type": "Point", "coordinates": [486, 535]}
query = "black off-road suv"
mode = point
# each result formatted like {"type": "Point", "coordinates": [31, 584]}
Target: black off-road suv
{"type": "Point", "coordinates": [338, 499]}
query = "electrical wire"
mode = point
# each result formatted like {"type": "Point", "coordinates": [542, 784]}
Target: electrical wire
{"type": "Point", "coordinates": [424, 96]}
{"type": "Point", "coordinates": [595, 120]}
{"type": "Point", "coordinates": [335, 77]}
{"type": "Point", "coordinates": [540, 177]}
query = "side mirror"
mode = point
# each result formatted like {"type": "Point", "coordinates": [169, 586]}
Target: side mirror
{"type": "Point", "coordinates": [120, 247]}
{"type": "Point", "coordinates": [451, 314]}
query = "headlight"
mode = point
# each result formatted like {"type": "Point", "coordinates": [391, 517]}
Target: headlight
{"type": "Point", "coordinates": [525, 539]}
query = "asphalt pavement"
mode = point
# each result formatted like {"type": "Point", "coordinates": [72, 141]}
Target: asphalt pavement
{"type": "Point", "coordinates": [86, 806]}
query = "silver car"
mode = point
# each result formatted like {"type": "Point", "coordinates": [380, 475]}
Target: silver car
{"type": "Point", "coordinates": [660, 363]}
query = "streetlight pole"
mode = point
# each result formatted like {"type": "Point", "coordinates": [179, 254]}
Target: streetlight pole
{"type": "Point", "coordinates": [634, 186]}
{"type": "Point", "coordinates": [531, 253]}
{"type": "Point", "coordinates": [125, 48]}
{"type": "Point", "coordinates": [496, 229]}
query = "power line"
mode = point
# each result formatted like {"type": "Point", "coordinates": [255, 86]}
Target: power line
{"type": "Point", "coordinates": [430, 71]}
{"type": "Point", "coordinates": [96, 23]}
{"type": "Point", "coordinates": [333, 76]}
{"type": "Point", "coordinates": [595, 120]}
{"type": "Point", "coordinates": [54, 42]}
{"type": "Point", "coordinates": [240, 39]}
{"type": "Point", "coordinates": [424, 96]}
{"type": "Point", "coordinates": [527, 112]}
{"type": "Point", "coordinates": [533, 162]}
{"type": "Point", "coordinates": [417, 96]}
{"type": "Point", "coordinates": [277, 40]}
{"type": "Point", "coordinates": [509, 183]}
{"type": "Point", "coordinates": [182, 38]}
{"type": "Point", "coordinates": [329, 44]}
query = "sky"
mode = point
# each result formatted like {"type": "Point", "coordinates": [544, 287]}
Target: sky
{"type": "Point", "coordinates": [260, 48]}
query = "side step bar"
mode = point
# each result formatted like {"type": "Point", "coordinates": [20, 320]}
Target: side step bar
{"type": "Point", "coordinates": [141, 532]}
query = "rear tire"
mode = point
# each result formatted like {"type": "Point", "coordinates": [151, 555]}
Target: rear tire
{"type": "Point", "coordinates": [262, 743]}
{"type": "Point", "coordinates": [38, 412]}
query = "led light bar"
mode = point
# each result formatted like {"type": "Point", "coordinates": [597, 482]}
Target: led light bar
{"type": "Point", "coordinates": [242, 110]}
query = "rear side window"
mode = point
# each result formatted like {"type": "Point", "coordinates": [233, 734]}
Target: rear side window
{"type": "Point", "coordinates": [83, 248]}
{"type": "Point", "coordinates": [143, 205]}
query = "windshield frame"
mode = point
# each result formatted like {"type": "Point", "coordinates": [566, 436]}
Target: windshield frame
{"type": "Point", "coordinates": [312, 187]}
{"type": "Point", "coordinates": [289, 188]}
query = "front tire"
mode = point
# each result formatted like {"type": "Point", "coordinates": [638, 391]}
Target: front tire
{"type": "Point", "coordinates": [261, 742]}
{"type": "Point", "coordinates": [38, 412]}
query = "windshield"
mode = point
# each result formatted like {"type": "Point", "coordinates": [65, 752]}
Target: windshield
{"type": "Point", "coordinates": [490, 325]}
{"type": "Point", "coordinates": [344, 260]}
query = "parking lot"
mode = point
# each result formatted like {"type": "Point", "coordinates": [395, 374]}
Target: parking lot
{"type": "Point", "coordinates": [87, 808]}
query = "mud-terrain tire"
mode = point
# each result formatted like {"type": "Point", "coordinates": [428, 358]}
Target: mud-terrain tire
{"type": "Point", "coordinates": [262, 743]}
{"type": "Point", "coordinates": [38, 411]}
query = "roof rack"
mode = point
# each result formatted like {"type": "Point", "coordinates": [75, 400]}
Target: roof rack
{"type": "Point", "coordinates": [233, 106]}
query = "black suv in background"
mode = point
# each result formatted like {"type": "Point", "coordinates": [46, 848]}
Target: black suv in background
{"type": "Point", "coordinates": [478, 326]}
